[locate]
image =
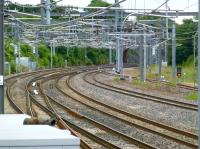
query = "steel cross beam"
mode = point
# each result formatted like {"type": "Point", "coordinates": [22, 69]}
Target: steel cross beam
{"type": "Point", "coordinates": [176, 14]}
{"type": "Point", "coordinates": [97, 34]}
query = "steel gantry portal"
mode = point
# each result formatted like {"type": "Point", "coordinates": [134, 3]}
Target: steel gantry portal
{"type": "Point", "coordinates": [103, 27]}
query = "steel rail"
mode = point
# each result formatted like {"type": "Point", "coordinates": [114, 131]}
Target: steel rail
{"type": "Point", "coordinates": [10, 98]}
{"type": "Point", "coordinates": [164, 82]}
{"type": "Point", "coordinates": [139, 143]}
{"type": "Point", "coordinates": [152, 122]}
{"type": "Point", "coordinates": [144, 96]}
{"type": "Point", "coordinates": [52, 113]}
{"type": "Point", "coordinates": [126, 121]}
{"type": "Point", "coordinates": [102, 126]}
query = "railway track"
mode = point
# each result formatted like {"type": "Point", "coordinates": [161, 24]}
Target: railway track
{"type": "Point", "coordinates": [104, 143]}
{"type": "Point", "coordinates": [94, 109]}
{"type": "Point", "coordinates": [21, 106]}
{"type": "Point", "coordinates": [58, 110]}
{"type": "Point", "coordinates": [183, 86]}
{"type": "Point", "coordinates": [90, 135]}
{"type": "Point", "coordinates": [142, 96]}
{"type": "Point", "coordinates": [10, 98]}
{"type": "Point", "coordinates": [187, 87]}
{"type": "Point", "coordinates": [142, 119]}
{"type": "Point", "coordinates": [29, 104]}
{"type": "Point", "coordinates": [10, 82]}
{"type": "Point", "coordinates": [61, 123]}
{"type": "Point", "coordinates": [106, 129]}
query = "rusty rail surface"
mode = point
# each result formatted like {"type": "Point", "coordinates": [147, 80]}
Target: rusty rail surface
{"type": "Point", "coordinates": [143, 119]}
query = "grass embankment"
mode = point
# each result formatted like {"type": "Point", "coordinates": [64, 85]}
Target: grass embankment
{"type": "Point", "coordinates": [187, 78]}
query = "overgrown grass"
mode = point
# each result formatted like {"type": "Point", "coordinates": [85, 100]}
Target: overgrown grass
{"type": "Point", "coordinates": [192, 96]}
{"type": "Point", "coordinates": [146, 85]}
{"type": "Point", "coordinates": [116, 78]}
{"type": "Point", "coordinates": [187, 74]}
{"type": "Point", "coordinates": [152, 74]}
{"type": "Point", "coordinates": [172, 84]}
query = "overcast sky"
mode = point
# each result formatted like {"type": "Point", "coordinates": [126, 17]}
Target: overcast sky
{"type": "Point", "coordinates": [186, 5]}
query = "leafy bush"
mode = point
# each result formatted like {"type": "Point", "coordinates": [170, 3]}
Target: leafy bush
{"type": "Point", "coordinates": [74, 56]}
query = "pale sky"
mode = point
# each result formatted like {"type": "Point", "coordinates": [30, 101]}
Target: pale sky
{"type": "Point", "coordinates": [186, 5]}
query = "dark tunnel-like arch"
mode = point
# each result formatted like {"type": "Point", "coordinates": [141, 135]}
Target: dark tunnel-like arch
{"type": "Point", "coordinates": [125, 56]}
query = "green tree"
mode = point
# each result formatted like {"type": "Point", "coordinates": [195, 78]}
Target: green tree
{"type": "Point", "coordinates": [44, 55]}
{"type": "Point", "coordinates": [184, 40]}
{"type": "Point", "coordinates": [97, 3]}
{"type": "Point", "coordinates": [26, 51]}
{"type": "Point", "coordinates": [9, 50]}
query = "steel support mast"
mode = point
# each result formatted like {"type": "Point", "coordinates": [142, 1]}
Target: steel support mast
{"type": "Point", "coordinates": [167, 34]}
{"type": "Point", "coordinates": [36, 55]}
{"type": "Point", "coordinates": [141, 59]}
{"type": "Point", "coordinates": [42, 10]}
{"type": "Point", "coordinates": [173, 51]}
{"type": "Point", "coordinates": [118, 55]}
{"type": "Point", "coordinates": [110, 55]}
{"type": "Point", "coordinates": [116, 29]}
{"type": "Point", "coordinates": [199, 76]}
{"type": "Point", "coordinates": [145, 55]}
{"type": "Point", "coordinates": [48, 12]}
{"type": "Point", "coordinates": [1, 57]}
{"type": "Point", "coordinates": [51, 55]}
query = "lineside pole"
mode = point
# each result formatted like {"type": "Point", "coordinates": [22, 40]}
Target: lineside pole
{"type": "Point", "coordinates": [141, 59]}
{"type": "Point", "coordinates": [121, 60]}
{"type": "Point", "coordinates": [173, 51]}
{"type": "Point", "coordinates": [48, 12]}
{"type": "Point", "coordinates": [116, 26]}
{"type": "Point", "coordinates": [145, 56]}
{"type": "Point", "coordinates": [150, 54]}
{"type": "Point", "coordinates": [110, 55]}
{"type": "Point", "coordinates": [36, 54]}
{"type": "Point", "coordinates": [18, 54]}
{"type": "Point", "coordinates": [42, 11]}
{"type": "Point", "coordinates": [157, 59]}
{"type": "Point", "coordinates": [160, 61]}
{"type": "Point", "coordinates": [199, 77]}
{"type": "Point", "coordinates": [54, 49]}
{"type": "Point", "coordinates": [118, 56]}
{"type": "Point", "coordinates": [1, 57]}
{"type": "Point", "coordinates": [51, 55]}
{"type": "Point", "coordinates": [167, 33]}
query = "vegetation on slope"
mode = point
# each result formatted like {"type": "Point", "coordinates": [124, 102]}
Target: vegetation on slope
{"type": "Point", "coordinates": [73, 56]}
